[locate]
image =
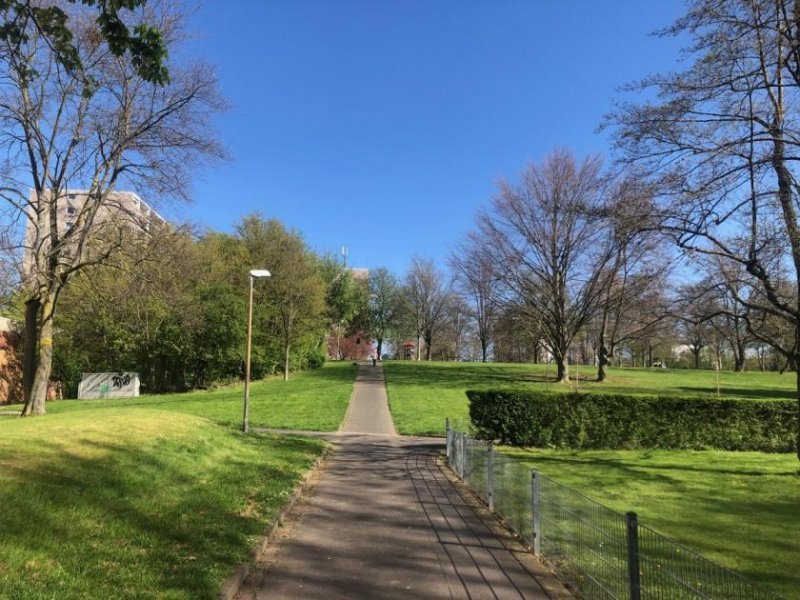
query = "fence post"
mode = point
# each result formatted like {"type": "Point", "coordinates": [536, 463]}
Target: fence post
{"type": "Point", "coordinates": [461, 465]}
{"type": "Point", "coordinates": [447, 438]}
{"type": "Point", "coordinates": [490, 475]}
{"type": "Point", "coordinates": [535, 508]}
{"type": "Point", "coordinates": [463, 456]}
{"type": "Point", "coordinates": [632, 525]}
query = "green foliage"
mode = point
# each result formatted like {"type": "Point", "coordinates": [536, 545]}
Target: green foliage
{"type": "Point", "coordinates": [144, 43]}
{"type": "Point", "coordinates": [174, 309]}
{"type": "Point", "coordinates": [345, 296]}
{"type": "Point", "coordinates": [147, 310]}
{"type": "Point", "coordinates": [290, 321]}
{"type": "Point", "coordinates": [315, 360]}
{"type": "Point", "coordinates": [582, 420]}
{"type": "Point", "coordinates": [217, 343]}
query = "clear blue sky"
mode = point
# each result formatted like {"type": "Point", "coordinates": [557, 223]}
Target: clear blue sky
{"type": "Point", "coordinates": [384, 125]}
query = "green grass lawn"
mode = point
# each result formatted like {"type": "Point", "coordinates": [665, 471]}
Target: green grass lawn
{"type": "Point", "coordinates": [423, 394]}
{"type": "Point", "coordinates": [314, 400]}
{"type": "Point", "coordinates": [740, 509]}
{"type": "Point", "coordinates": [134, 502]}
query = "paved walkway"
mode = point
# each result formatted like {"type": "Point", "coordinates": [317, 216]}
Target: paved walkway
{"type": "Point", "coordinates": [384, 521]}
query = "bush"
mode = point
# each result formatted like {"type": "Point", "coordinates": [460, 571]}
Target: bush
{"type": "Point", "coordinates": [581, 420]}
{"type": "Point", "coordinates": [316, 360]}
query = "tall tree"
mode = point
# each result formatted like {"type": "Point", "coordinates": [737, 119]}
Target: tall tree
{"type": "Point", "coordinates": [295, 294]}
{"type": "Point", "coordinates": [456, 325]}
{"type": "Point", "coordinates": [551, 238]}
{"type": "Point", "coordinates": [385, 305]}
{"type": "Point", "coordinates": [719, 145]}
{"type": "Point", "coordinates": [94, 124]}
{"type": "Point", "coordinates": [426, 293]}
{"type": "Point", "coordinates": [517, 336]}
{"type": "Point", "coordinates": [693, 318]}
{"type": "Point", "coordinates": [637, 267]}
{"type": "Point", "coordinates": [475, 273]}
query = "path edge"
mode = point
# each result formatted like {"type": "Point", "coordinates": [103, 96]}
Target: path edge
{"type": "Point", "coordinates": [234, 583]}
{"type": "Point", "coordinates": [546, 575]}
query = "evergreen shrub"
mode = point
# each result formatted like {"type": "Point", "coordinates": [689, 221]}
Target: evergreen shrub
{"type": "Point", "coordinates": [584, 420]}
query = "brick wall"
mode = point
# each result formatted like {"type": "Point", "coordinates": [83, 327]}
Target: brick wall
{"type": "Point", "coordinates": [10, 367]}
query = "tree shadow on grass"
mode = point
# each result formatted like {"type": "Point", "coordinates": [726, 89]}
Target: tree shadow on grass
{"type": "Point", "coordinates": [456, 375]}
{"type": "Point", "coordinates": [100, 519]}
{"type": "Point", "coordinates": [625, 466]}
{"type": "Point", "coordinates": [727, 391]}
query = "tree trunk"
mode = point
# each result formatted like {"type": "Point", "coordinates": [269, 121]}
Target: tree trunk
{"type": "Point", "coordinates": [602, 351]}
{"type": "Point", "coordinates": [562, 367]}
{"type": "Point", "coordinates": [30, 338]}
{"type": "Point", "coordinates": [602, 363]}
{"type": "Point", "coordinates": [696, 352]}
{"type": "Point", "coordinates": [286, 348]}
{"type": "Point", "coordinates": [380, 348]}
{"type": "Point", "coordinates": [797, 376]}
{"type": "Point", "coordinates": [35, 405]}
{"type": "Point", "coordinates": [739, 358]}
{"type": "Point", "coordinates": [483, 349]}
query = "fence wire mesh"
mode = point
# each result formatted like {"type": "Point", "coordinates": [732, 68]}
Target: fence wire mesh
{"type": "Point", "coordinates": [670, 571]}
{"type": "Point", "coordinates": [585, 540]}
{"type": "Point", "coordinates": [591, 546]}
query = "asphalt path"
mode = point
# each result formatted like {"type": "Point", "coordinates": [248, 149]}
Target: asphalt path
{"type": "Point", "coordinates": [385, 519]}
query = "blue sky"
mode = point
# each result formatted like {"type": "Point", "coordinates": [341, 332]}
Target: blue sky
{"type": "Point", "coordinates": [384, 125]}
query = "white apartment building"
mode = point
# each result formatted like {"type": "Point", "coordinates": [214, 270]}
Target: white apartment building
{"type": "Point", "coordinates": [119, 208]}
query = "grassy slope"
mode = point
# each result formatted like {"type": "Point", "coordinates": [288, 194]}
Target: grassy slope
{"type": "Point", "coordinates": [133, 504]}
{"type": "Point", "coordinates": [313, 400]}
{"type": "Point", "coordinates": [152, 497]}
{"type": "Point", "coordinates": [740, 509]}
{"type": "Point", "coordinates": [423, 394]}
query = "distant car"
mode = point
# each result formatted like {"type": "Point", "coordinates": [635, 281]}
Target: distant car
{"type": "Point", "coordinates": [659, 365]}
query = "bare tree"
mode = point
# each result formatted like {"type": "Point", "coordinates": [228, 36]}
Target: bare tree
{"type": "Point", "coordinates": [698, 318]}
{"type": "Point", "coordinates": [93, 126]}
{"type": "Point", "coordinates": [516, 336]}
{"type": "Point", "coordinates": [475, 274]}
{"type": "Point", "coordinates": [456, 324]}
{"type": "Point", "coordinates": [427, 294]}
{"type": "Point", "coordinates": [551, 237]}
{"type": "Point", "coordinates": [728, 316]}
{"type": "Point", "coordinates": [637, 267]}
{"type": "Point", "coordinates": [720, 145]}
{"type": "Point", "coordinates": [384, 305]}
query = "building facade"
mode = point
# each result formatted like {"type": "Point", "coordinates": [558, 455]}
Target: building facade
{"type": "Point", "coordinates": [73, 209]}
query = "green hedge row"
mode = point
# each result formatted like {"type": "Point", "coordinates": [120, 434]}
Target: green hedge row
{"type": "Point", "coordinates": [578, 420]}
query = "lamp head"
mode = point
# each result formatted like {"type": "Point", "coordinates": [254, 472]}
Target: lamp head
{"type": "Point", "coordinates": [259, 273]}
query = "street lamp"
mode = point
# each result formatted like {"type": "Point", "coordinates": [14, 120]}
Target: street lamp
{"type": "Point", "coordinates": [255, 273]}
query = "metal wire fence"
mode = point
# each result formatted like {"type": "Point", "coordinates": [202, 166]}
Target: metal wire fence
{"type": "Point", "coordinates": [603, 554]}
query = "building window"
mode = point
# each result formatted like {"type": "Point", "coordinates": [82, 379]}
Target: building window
{"type": "Point", "coordinates": [71, 210]}
{"type": "Point", "coordinates": [71, 196]}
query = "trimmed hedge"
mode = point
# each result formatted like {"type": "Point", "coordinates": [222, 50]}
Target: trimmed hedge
{"type": "Point", "coordinates": [580, 420]}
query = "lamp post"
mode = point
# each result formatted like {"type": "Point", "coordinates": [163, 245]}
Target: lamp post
{"type": "Point", "coordinates": [255, 273]}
